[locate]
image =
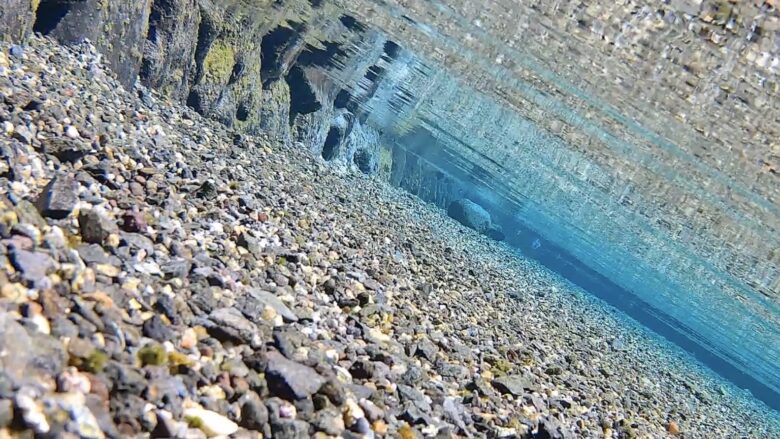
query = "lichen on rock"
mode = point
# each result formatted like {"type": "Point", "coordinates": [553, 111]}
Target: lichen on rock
{"type": "Point", "coordinates": [219, 62]}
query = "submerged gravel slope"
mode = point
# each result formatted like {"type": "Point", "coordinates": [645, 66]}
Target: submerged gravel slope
{"type": "Point", "coordinates": [162, 276]}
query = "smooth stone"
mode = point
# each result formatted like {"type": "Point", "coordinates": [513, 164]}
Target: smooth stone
{"type": "Point", "coordinates": [512, 384]}
{"type": "Point", "coordinates": [290, 429]}
{"type": "Point", "coordinates": [211, 423]}
{"type": "Point", "coordinates": [34, 266]}
{"type": "Point", "coordinates": [92, 254]}
{"type": "Point", "coordinates": [95, 226]}
{"type": "Point", "coordinates": [328, 421]}
{"type": "Point", "coordinates": [29, 355]}
{"type": "Point", "coordinates": [230, 325]}
{"type": "Point", "coordinates": [155, 329]}
{"type": "Point", "coordinates": [291, 380]}
{"type": "Point", "coordinates": [257, 300]}
{"type": "Point", "coordinates": [254, 414]}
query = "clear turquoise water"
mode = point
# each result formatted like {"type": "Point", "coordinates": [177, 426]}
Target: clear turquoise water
{"type": "Point", "coordinates": [565, 210]}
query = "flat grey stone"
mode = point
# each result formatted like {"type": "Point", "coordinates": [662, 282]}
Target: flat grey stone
{"type": "Point", "coordinates": [256, 300]}
{"type": "Point", "coordinates": [59, 197]}
{"type": "Point", "coordinates": [290, 380]}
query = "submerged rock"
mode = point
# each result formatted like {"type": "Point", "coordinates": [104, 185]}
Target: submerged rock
{"type": "Point", "coordinates": [291, 380]}
{"type": "Point", "coordinates": [59, 197]}
{"type": "Point", "coordinates": [470, 214]}
{"type": "Point", "coordinates": [211, 423]}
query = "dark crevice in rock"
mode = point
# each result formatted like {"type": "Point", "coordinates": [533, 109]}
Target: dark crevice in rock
{"type": "Point", "coordinates": [352, 24]}
{"type": "Point", "coordinates": [374, 73]}
{"type": "Point", "coordinates": [392, 49]}
{"type": "Point", "coordinates": [278, 50]}
{"type": "Point", "coordinates": [344, 100]}
{"type": "Point", "coordinates": [303, 100]}
{"type": "Point", "coordinates": [169, 48]}
{"type": "Point", "coordinates": [207, 34]}
{"type": "Point", "coordinates": [159, 9]}
{"type": "Point", "coordinates": [238, 71]}
{"type": "Point", "coordinates": [314, 57]}
{"type": "Point", "coordinates": [193, 101]}
{"type": "Point", "coordinates": [331, 148]}
{"type": "Point", "coordinates": [363, 161]}
{"type": "Point", "coordinates": [49, 15]}
{"type": "Point", "coordinates": [242, 113]}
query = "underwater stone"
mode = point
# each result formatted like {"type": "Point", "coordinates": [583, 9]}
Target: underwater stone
{"type": "Point", "coordinates": [470, 214]}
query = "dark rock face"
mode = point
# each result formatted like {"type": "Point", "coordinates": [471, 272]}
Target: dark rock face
{"type": "Point", "coordinates": [257, 68]}
{"type": "Point", "coordinates": [280, 48]}
{"type": "Point", "coordinates": [16, 19]}
{"type": "Point", "coordinates": [170, 47]}
{"type": "Point", "coordinates": [470, 214]}
{"type": "Point", "coordinates": [275, 110]}
{"type": "Point", "coordinates": [117, 28]}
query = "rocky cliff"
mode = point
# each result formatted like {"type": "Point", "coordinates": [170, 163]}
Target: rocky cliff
{"type": "Point", "coordinates": [274, 67]}
{"type": "Point", "coordinates": [300, 71]}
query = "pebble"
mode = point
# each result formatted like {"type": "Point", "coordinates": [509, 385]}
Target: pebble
{"type": "Point", "coordinates": [95, 227]}
{"type": "Point", "coordinates": [72, 132]}
{"type": "Point", "coordinates": [673, 428]}
{"type": "Point", "coordinates": [211, 423]}
{"type": "Point", "coordinates": [59, 197]}
{"type": "Point", "coordinates": [34, 266]}
{"type": "Point", "coordinates": [16, 51]}
{"type": "Point", "coordinates": [254, 414]}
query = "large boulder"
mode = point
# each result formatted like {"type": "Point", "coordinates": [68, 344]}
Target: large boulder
{"type": "Point", "coordinates": [470, 214]}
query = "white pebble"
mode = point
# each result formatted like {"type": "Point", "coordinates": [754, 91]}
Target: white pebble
{"type": "Point", "coordinates": [211, 423]}
{"type": "Point", "coordinates": [72, 132]}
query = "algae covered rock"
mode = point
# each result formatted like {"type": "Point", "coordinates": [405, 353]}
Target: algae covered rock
{"type": "Point", "coordinates": [17, 18]}
{"type": "Point", "coordinates": [227, 83]}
